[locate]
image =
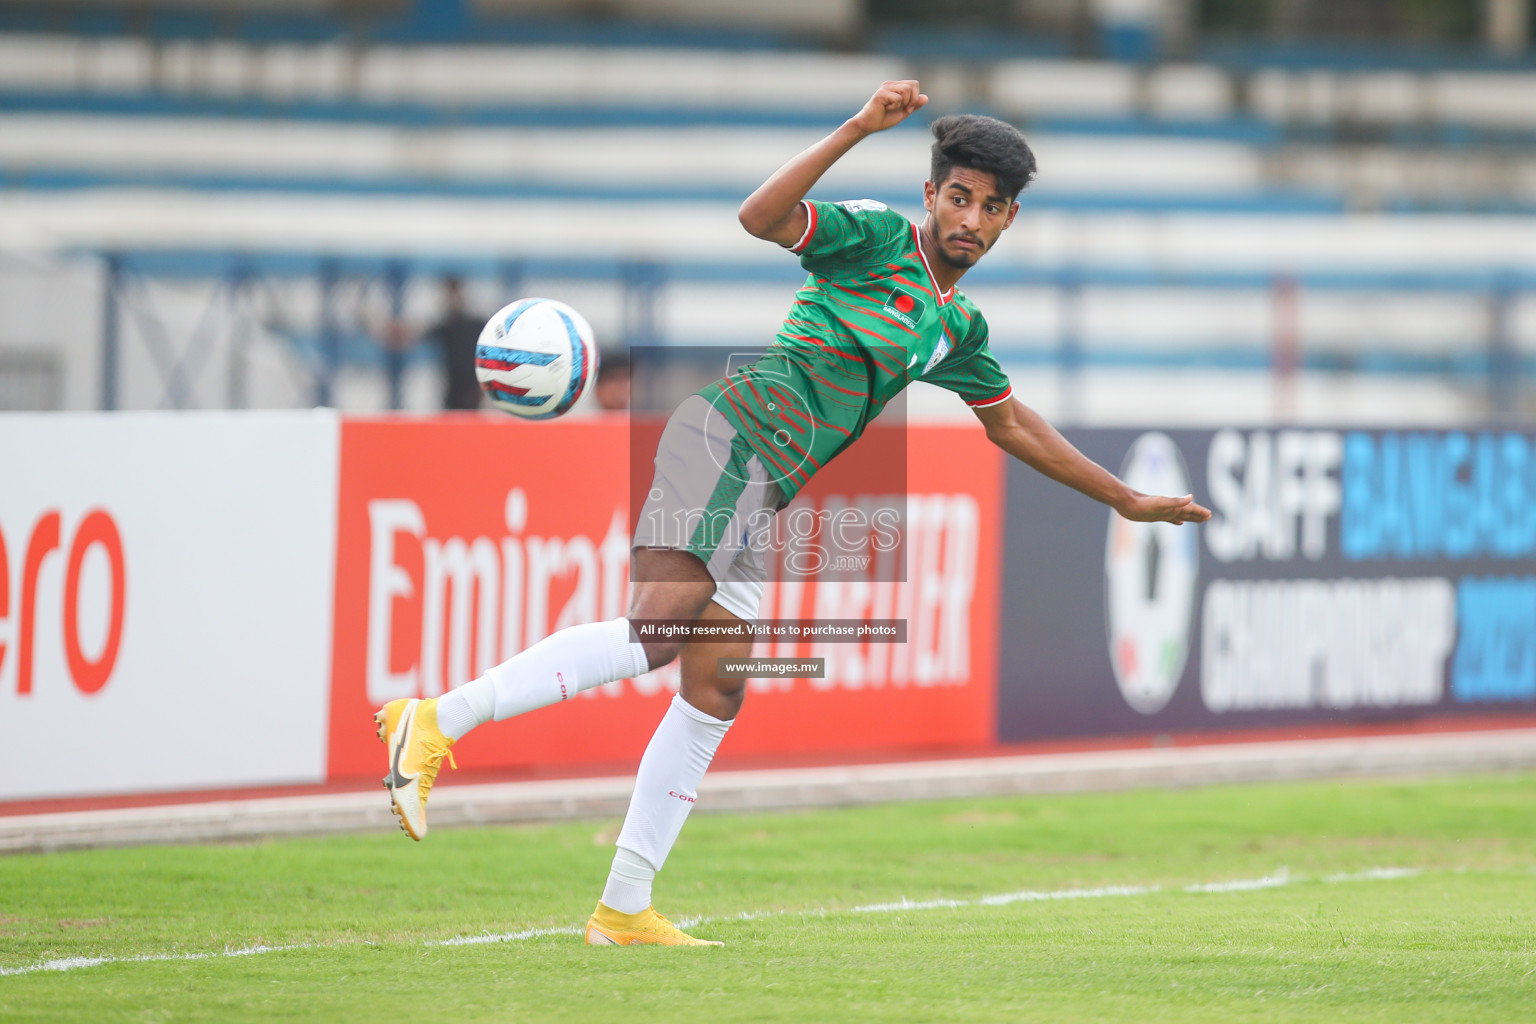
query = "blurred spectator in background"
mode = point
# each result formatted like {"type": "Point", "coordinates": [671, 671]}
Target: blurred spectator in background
{"type": "Point", "coordinates": [611, 390]}
{"type": "Point", "coordinates": [455, 336]}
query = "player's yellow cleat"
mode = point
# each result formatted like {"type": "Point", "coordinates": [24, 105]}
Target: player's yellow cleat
{"type": "Point", "coordinates": [608, 927]}
{"type": "Point", "coordinates": [408, 729]}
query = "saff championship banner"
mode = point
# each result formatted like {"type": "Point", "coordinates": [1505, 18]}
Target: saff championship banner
{"type": "Point", "coordinates": [1346, 575]}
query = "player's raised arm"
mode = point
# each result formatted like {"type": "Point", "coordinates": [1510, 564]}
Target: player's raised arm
{"type": "Point", "coordinates": [774, 212]}
{"type": "Point", "coordinates": [1024, 434]}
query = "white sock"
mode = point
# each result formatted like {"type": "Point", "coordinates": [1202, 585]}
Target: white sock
{"type": "Point", "coordinates": [556, 668]}
{"type": "Point", "coordinates": [629, 883]}
{"type": "Point", "coordinates": [665, 790]}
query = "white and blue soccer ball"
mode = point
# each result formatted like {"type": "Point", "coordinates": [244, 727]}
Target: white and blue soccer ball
{"type": "Point", "coordinates": [536, 358]}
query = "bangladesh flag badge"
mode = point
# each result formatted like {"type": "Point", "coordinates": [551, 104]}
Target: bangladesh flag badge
{"type": "Point", "coordinates": [905, 306]}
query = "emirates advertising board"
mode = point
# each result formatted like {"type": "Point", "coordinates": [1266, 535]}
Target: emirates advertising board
{"type": "Point", "coordinates": [464, 540]}
{"type": "Point", "coordinates": [165, 591]}
{"type": "Point", "coordinates": [1345, 576]}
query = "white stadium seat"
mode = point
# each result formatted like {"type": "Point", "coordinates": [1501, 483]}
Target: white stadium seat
{"type": "Point", "coordinates": [582, 76]}
{"type": "Point", "coordinates": [306, 72]}
{"type": "Point", "coordinates": [733, 157]}
{"type": "Point", "coordinates": [1035, 88]}
{"type": "Point", "coordinates": [183, 68]}
{"type": "Point", "coordinates": [1189, 91]}
{"type": "Point", "coordinates": [40, 62]}
{"type": "Point", "coordinates": [1385, 97]}
{"type": "Point", "coordinates": [1488, 100]}
{"type": "Point", "coordinates": [231, 70]}
{"type": "Point", "coordinates": [115, 65]}
{"type": "Point", "coordinates": [1309, 97]}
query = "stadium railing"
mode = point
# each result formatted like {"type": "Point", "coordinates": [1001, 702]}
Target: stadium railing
{"type": "Point", "coordinates": [1493, 364]}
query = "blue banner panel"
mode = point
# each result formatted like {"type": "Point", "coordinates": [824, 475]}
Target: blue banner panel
{"type": "Point", "coordinates": [1345, 576]}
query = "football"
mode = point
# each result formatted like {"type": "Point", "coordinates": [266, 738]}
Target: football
{"type": "Point", "coordinates": [536, 358]}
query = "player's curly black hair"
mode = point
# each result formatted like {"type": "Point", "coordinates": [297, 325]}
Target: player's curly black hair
{"type": "Point", "coordinates": [982, 144]}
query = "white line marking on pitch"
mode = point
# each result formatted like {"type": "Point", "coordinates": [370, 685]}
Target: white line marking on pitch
{"type": "Point", "coordinates": [1003, 899]}
{"type": "Point", "coordinates": [1279, 878]}
{"type": "Point", "coordinates": [481, 940]}
{"type": "Point", "coordinates": [1275, 880]}
{"type": "Point", "coordinates": [71, 963]}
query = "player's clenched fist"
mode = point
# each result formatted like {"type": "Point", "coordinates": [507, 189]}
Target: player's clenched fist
{"type": "Point", "coordinates": [891, 104]}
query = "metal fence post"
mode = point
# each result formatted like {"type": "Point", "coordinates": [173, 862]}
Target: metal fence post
{"type": "Point", "coordinates": [394, 346]}
{"type": "Point", "coordinates": [1069, 351]}
{"type": "Point", "coordinates": [642, 288]}
{"type": "Point", "coordinates": [1503, 355]}
{"type": "Point", "coordinates": [236, 382]}
{"type": "Point", "coordinates": [330, 333]}
{"type": "Point", "coordinates": [111, 338]}
{"type": "Point", "coordinates": [510, 278]}
{"type": "Point", "coordinates": [1285, 353]}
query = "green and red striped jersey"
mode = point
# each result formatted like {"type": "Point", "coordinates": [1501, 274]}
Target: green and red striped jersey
{"type": "Point", "coordinates": [868, 321]}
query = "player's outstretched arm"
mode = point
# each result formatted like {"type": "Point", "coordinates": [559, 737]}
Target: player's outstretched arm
{"type": "Point", "coordinates": [1023, 433]}
{"type": "Point", "coordinates": [774, 212]}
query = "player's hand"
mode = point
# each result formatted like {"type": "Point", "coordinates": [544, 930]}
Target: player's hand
{"type": "Point", "coordinates": [1152, 508]}
{"type": "Point", "coordinates": [891, 104]}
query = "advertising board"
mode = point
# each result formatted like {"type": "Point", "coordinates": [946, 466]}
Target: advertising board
{"type": "Point", "coordinates": [460, 542]}
{"type": "Point", "coordinates": [1346, 576]}
{"type": "Point", "coordinates": [165, 589]}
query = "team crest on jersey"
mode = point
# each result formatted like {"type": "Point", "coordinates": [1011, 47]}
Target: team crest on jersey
{"type": "Point", "coordinates": [939, 352]}
{"type": "Point", "coordinates": [906, 307]}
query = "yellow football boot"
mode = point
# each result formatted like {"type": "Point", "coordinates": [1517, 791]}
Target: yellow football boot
{"type": "Point", "coordinates": [408, 729]}
{"type": "Point", "coordinates": [608, 927]}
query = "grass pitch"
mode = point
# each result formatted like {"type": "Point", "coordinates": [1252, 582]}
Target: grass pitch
{"type": "Point", "coordinates": [1252, 903]}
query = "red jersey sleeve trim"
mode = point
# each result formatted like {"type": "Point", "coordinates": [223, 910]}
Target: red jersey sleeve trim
{"type": "Point", "coordinates": [810, 228]}
{"type": "Point", "coordinates": [989, 402]}
{"type": "Point", "coordinates": [917, 242]}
